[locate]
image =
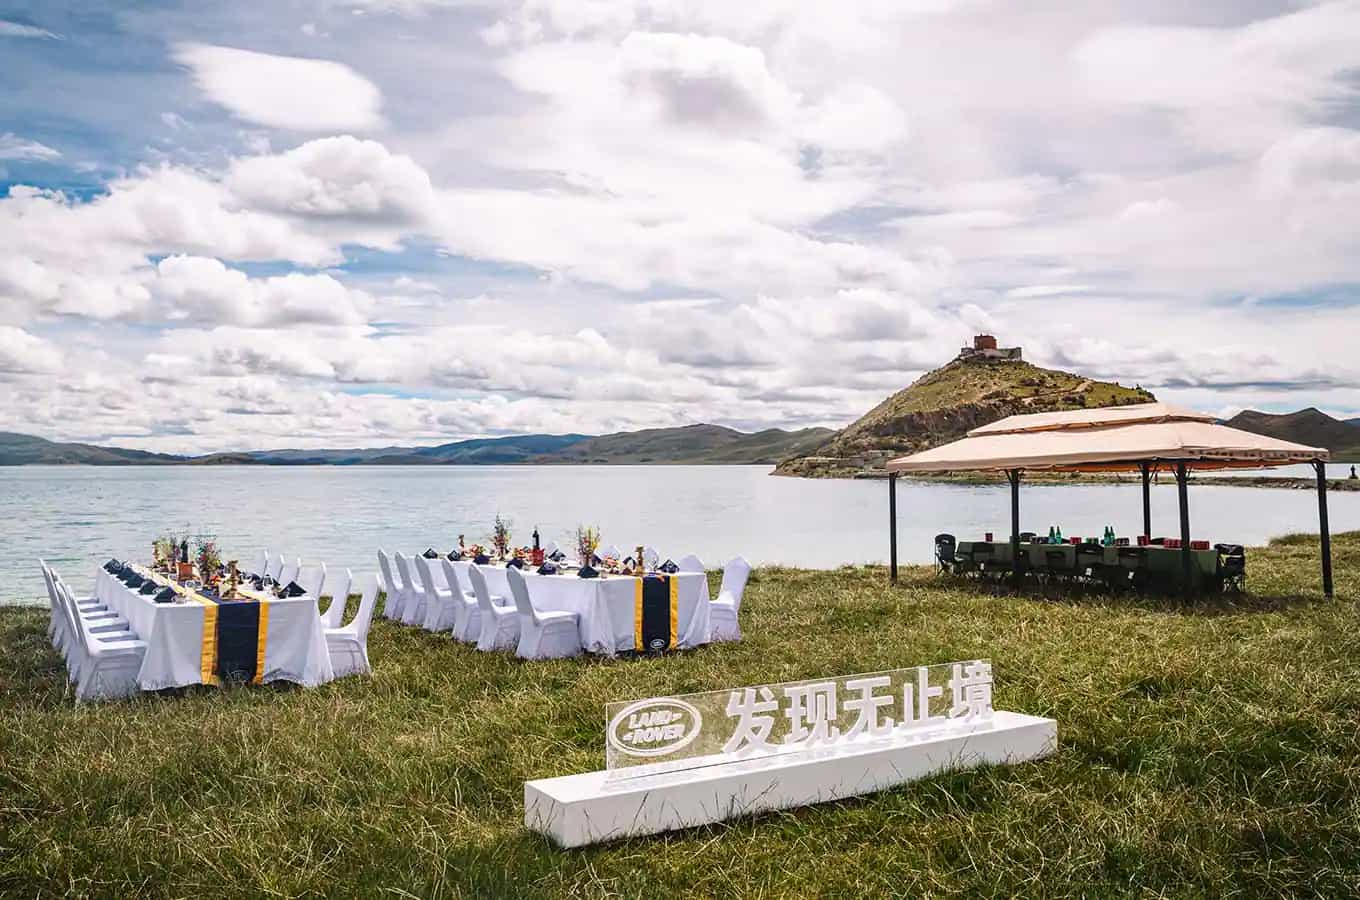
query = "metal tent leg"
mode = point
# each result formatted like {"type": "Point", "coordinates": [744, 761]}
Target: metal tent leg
{"type": "Point", "coordinates": [1321, 468]}
{"type": "Point", "coordinates": [892, 526]}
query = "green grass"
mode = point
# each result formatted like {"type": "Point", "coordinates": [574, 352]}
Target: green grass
{"type": "Point", "coordinates": [1204, 750]}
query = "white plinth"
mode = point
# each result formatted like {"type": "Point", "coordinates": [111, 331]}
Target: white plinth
{"type": "Point", "coordinates": [575, 810]}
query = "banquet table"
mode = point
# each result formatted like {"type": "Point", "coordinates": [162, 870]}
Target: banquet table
{"type": "Point", "coordinates": [606, 606]}
{"type": "Point", "coordinates": [1154, 558]}
{"type": "Point", "coordinates": [178, 633]}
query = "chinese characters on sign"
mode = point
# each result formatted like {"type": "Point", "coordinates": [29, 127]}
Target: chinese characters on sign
{"type": "Point", "coordinates": [724, 726]}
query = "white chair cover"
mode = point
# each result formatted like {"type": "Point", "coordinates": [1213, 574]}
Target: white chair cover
{"type": "Point", "coordinates": [395, 591]}
{"type": "Point", "coordinates": [107, 667]}
{"type": "Point", "coordinates": [290, 572]}
{"type": "Point", "coordinates": [500, 624]}
{"type": "Point", "coordinates": [348, 646]}
{"type": "Point", "coordinates": [728, 604]}
{"type": "Point", "coordinates": [691, 563]}
{"type": "Point", "coordinates": [312, 579]}
{"type": "Point", "coordinates": [337, 585]}
{"type": "Point", "coordinates": [262, 566]}
{"type": "Point", "coordinates": [440, 608]}
{"type": "Point", "coordinates": [413, 604]}
{"type": "Point", "coordinates": [542, 635]}
{"type": "Point", "coordinates": [467, 614]}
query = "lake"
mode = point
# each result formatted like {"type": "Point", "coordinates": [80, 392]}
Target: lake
{"type": "Point", "coordinates": [76, 517]}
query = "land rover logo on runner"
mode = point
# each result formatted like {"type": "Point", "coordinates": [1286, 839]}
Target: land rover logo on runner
{"type": "Point", "coordinates": [654, 727]}
{"type": "Point", "coordinates": [658, 644]}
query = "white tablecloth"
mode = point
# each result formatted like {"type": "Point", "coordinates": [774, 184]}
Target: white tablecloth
{"type": "Point", "coordinates": [606, 606]}
{"type": "Point", "coordinates": [295, 642]}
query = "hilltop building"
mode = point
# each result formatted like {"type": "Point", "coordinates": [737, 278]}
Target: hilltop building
{"type": "Point", "coordinates": [984, 347]}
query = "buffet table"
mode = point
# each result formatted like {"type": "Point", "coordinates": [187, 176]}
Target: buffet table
{"type": "Point", "coordinates": [184, 637]}
{"type": "Point", "coordinates": [1153, 561]}
{"type": "Point", "coordinates": [606, 606]}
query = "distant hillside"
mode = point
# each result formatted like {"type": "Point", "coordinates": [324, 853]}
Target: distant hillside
{"type": "Point", "coordinates": [693, 444]}
{"type": "Point", "coordinates": [24, 450]}
{"type": "Point", "coordinates": [1307, 426]}
{"type": "Point", "coordinates": [485, 451]}
{"type": "Point", "coordinates": [942, 405]}
{"type": "Point", "coordinates": [696, 444]}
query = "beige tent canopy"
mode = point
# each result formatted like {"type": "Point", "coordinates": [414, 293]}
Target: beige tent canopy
{"type": "Point", "coordinates": [1136, 438]}
{"type": "Point", "coordinates": [1117, 438]}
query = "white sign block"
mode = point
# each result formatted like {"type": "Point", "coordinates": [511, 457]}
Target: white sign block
{"type": "Point", "coordinates": [575, 810]}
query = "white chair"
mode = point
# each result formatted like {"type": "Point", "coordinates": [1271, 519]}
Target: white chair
{"type": "Point", "coordinates": [273, 569]}
{"type": "Point", "coordinates": [262, 566]}
{"type": "Point", "coordinates": [650, 557]}
{"type": "Point", "coordinates": [500, 624]}
{"type": "Point", "coordinates": [440, 604]}
{"type": "Point", "coordinates": [691, 563]}
{"type": "Point", "coordinates": [337, 585]}
{"type": "Point", "coordinates": [550, 548]}
{"type": "Point", "coordinates": [392, 586]}
{"type": "Point", "coordinates": [413, 602]}
{"type": "Point", "coordinates": [609, 551]}
{"type": "Point", "coordinates": [108, 666]}
{"type": "Point", "coordinates": [467, 615]}
{"type": "Point", "coordinates": [348, 646]}
{"type": "Point", "coordinates": [290, 572]}
{"type": "Point", "coordinates": [723, 612]}
{"type": "Point", "coordinates": [542, 635]}
{"type": "Point", "coordinates": [312, 579]}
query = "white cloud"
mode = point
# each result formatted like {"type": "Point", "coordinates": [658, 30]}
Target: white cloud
{"type": "Point", "coordinates": [335, 177]}
{"type": "Point", "coordinates": [206, 289]}
{"type": "Point", "coordinates": [20, 30]}
{"type": "Point", "coordinates": [288, 92]}
{"type": "Point", "coordinates": [23, 353]}
{"type": "Point", "coordinates": [14, 147]}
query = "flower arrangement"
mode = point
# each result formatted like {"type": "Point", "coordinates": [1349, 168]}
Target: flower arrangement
{"type": "Point", "coordinates": [164, 548]}
{"type": "Point", "coordinates": [209, 558]}
{"type": "Point", "coordinates": [587, 539]}
{"type": "Point", "coordinates": [500, 536]}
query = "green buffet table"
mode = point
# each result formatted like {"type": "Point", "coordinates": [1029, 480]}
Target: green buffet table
{"type": "Point", "coordinates": [1152, 563]}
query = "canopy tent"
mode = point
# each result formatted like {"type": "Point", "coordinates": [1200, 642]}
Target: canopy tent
{"type": "Point", "coordinates": [1141, 437]}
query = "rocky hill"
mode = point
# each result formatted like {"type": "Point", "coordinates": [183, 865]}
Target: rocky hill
{"type": "Point", "coordinates": [1307, 426]}
{"type": "Point", "coordinates": [942, 405]}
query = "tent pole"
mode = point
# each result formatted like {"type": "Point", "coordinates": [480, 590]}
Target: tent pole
{"type": "Point", "coordinates": [1321, 468]}
{"type": "Point", "coordinates": [1146, 469]}
{"type": "Point", "coordinates": [1182, 490]}
{"type": "Point", "coordinates": [892, 526]}
{"type": "Point", "coordinates": [1013, 476]}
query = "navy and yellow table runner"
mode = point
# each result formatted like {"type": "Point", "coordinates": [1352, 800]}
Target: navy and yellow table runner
{"type": "Point", "coordinates": [235, 634]}
{"type": "Point", "coordinates": [655, 614]}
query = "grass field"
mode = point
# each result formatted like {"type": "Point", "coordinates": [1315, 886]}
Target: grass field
{"type": "Point", "coordinates": [1204, 750]}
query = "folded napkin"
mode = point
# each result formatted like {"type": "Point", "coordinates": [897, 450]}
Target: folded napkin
{"type": "Point", "coordinates": [557, 556]}
{"type": "Point", "coordinates": [166, 595]}
{"type": "Point", "coordinates": [515, 563]}
{"type": "Point", "coordinates": [430, 553]}
{"type": "Point", "coordinates": [669, 567]}
{"type": "Point", "coordinates": [149, 587]}
{"type": "Point", "coordinates": [112, 565]}
{"type": "Point", "coordinates": [292, 590]}
{"type": "Point", "coordinates": [547, 569]}
{"type": "Point", "coordinates": [481, 559]}
{"type": "Point", "coordinates": [257, 582]}
{"type": "Point", "coordinates": [455, 556]}
{"type": "Point", "coordinates": [587, 572]}
{"type": "Point", "coordinates": [134, 580]}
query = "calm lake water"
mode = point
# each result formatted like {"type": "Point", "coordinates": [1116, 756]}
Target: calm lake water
{"type": "Point", "coordinates": [76, 517]}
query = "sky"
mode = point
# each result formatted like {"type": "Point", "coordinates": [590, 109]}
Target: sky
{"type": "Point", "coordinates": [345, 223]}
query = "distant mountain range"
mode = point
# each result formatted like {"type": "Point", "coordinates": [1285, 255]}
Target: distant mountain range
{"type": "Point", "coordinates": [1307, 426]}
{"type": "Point", "coordinates": [690, 444]}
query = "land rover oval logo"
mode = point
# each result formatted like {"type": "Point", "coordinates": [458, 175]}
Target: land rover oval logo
{"type": "Point", "coordinates": [654, 727]}
{"type": "Point", "coordinates": [658, 644]}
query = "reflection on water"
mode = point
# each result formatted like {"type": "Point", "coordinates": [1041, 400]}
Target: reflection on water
{"type": "Point", "coordinates": [76, 517]}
